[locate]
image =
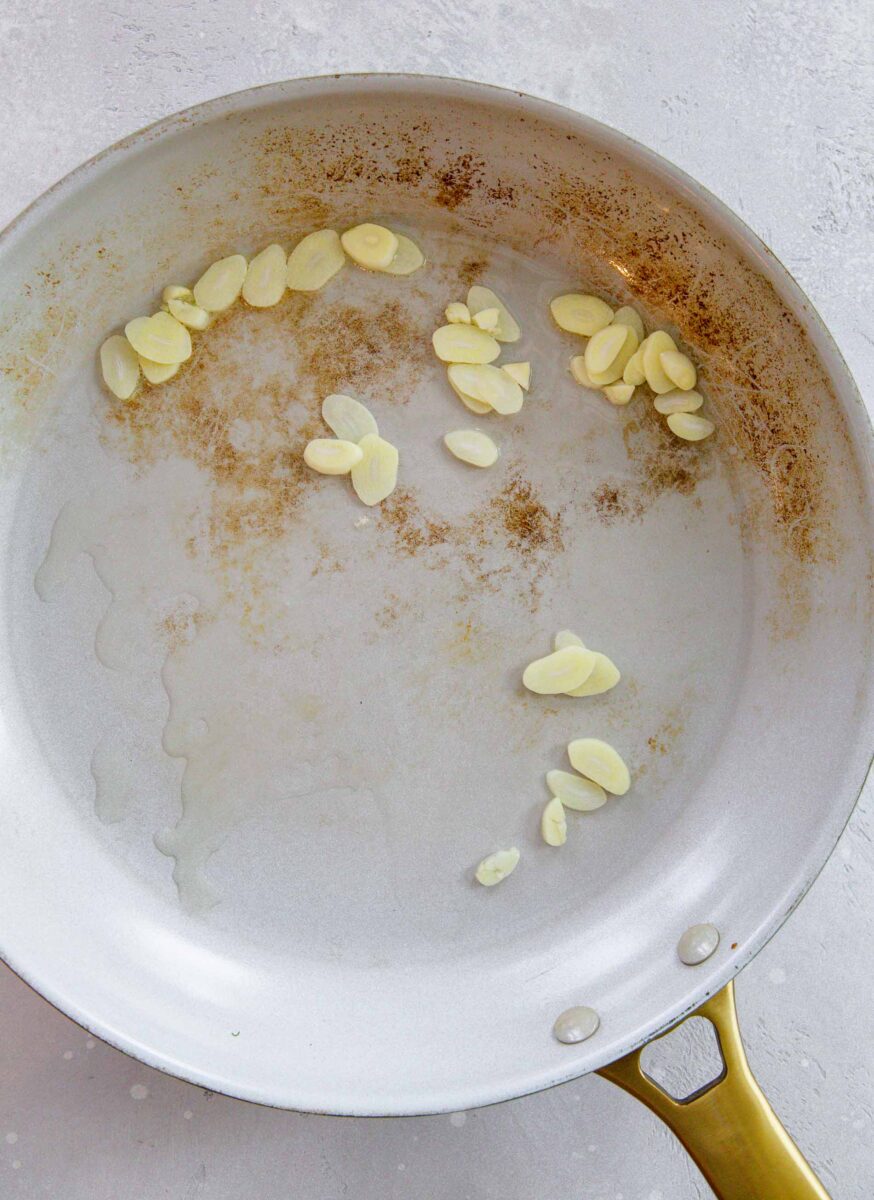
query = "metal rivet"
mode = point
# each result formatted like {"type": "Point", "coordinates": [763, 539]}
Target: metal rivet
{"type": "Point", "coordinates": [697, 944]}
{"type": "Point", "coordinates": [576, 1024]}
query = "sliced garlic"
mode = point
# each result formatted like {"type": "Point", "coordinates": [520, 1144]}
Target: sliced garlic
{"type": "Point", "coordinates": [581, 314]}
{"type": "Point", "coordinates": [605, 675]}
{"type": "Point", "coordinates": [188, 313]}
{"type": "Point", "coordinates": [521, 372]}
{"type": "Point", "coordinates": [497, 866]}
{"type": "Point", "coordinates": [599, 761]}
{"type": "Point", "coordinates": [175, 291]}
{"type": "Point", "coordinates": [678, 402]}
{"type": "Point", "coordinates": [579, 372]}
{"type": "Point", "coordinates": [690, 427]}
{"type": "Point", "coordinates": [159, 338]}
{"type": "Point", "coordinates": [264, 284]}
{"type": "Point", "coordinates": [332, 456]}
{"type": "Point", "coordinates": [314, 260]}
{"type": "Point", "coordinates": [603, 348]}
{"type": "Point", "coordinates": [487, 319]}
{"type": "Point", "coordinates": [120, 366]}
{"type": "Point", "coordinates": [619, 393]}
{"type": "Point", "coordinates": [634, 372]}
{"type": "Point", "coordinates": [488, 385]}
{"type": "Point", "coordinates": [220, 285]}
{"type": "Point", "coordinates": [582, 795]}
{"type": "Point", "coordinates": [679, 368]}
{"type": "Point", "coordinates": [475, 406]}
{"type": "Point", "coordinates": [348, 418]}
{"type": "Point", "coordinates": [614, 372]}
{"type": "Point", "coordinates": [480, 298]}
{"type": "Point", "coordinates": [472, 447]}
{"type": "Point", "coordinates": [376, 475]}
{"type": "Point", "coordinates": [553, 823]}
{"type": "Point", "coordinates": [560, 671]}
{"type": "Point", "coordinates": [464, 344]}
{"type": "Point", "coordinates": [370, 246]}
{"type": "Point", "coordinates": [457, 313]}
{"type": "Point", "coordinates": [653, 348]}
{"type": "Point", "coordinates": [408, 257]}
{"type": "Point", "coordinates": [629, 316]}
{"type": "Point", "coordinates": [157, 372]}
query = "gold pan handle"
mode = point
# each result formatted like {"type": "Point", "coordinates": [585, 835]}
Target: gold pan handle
{"type": "Point", "coordinates": [728, 1127]}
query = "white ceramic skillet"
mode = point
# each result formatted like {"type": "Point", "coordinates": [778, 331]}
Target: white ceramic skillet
{"type": "Point", "coordinates": [255, 737]}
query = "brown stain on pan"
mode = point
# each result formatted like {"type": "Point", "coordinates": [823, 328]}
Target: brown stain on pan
{"type": "Point", "coordinates": [662, 741]}
{"type": "Point", "coordinates": [458, 180]}
{"type": "Point", "coordinates": [338, 345]}
{"type": "Point", "coordinates": [412, 529]}
{"type": "Point", "coordinates": [630, 237]}
{"type": "Point", "coordinates": [530, 529]}
{"type": "Point", "coordinates": [759, 372]}
{"type": "Point", "coordinates": [247, 426]}
{"type": "Point", "coordinates": [615, 502]}
{"type": "Point", "coordinates": [624, 234]}
{"type": "Point", "coordinates": [388, 158]}
{"type": "Point", "coordinates": [217, 413]}
{"type": "Point", "coordinates": [179, 626]}
{"type": "Point", "coordinates": [658, 463]}
{"type": "Point", "coordinates": [510, 541]}
{"type": "Point", "coordinates": [514, 519]}
{"type": "Point", "coordinates": [30, 368]}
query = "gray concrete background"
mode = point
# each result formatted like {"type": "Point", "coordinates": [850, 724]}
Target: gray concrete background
{"type": "Point", "coordinates": [767, 102]}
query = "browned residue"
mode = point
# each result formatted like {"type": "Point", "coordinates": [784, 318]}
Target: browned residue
{"type": "Point", "coordinates": [760, 374]}
{"type": "Point", "coordinates": [661, 742]}
{"type": "Point", "coordinates": [341, 346]}
{"type": "Point", "coordinates": [515, 521]}
{"type": "Point", "coordinates": [328, 160]}
{"type": "Point", "coordinates": [469, 642]}
{"type": "Point", "coordinates": [615, 502]}
{"type": "Point", "coordinates": [472, 269]}
{"type": "Point", "coordinates": [457, 180]}
{"type": "Point", "coordinates": [412, 529]}
{"type": "Point", "coordinates": [529, 530]}
{"type": "Point", "coordinates": [30, 364]}
{"type": "Point", "coordinates": [604, 218]}
{"type": "Point", "coordinates": [562, 198]}
{"type": "Point", "coordinates": [175, 629]}
{"type": "Point", "coordinates": [663, 462]}
{"type": "Point", "coordinates": [38, 363]}
{"type": "Point", "coordinates": [218, 414]}
{"type": "Point", "coordinates": [792, 615]}
{"type": "Point", "coordinates": [179, 626]}
{"type": "Point", "coordinates": [326, 562]}
{"type": "Point", "coordinates": [529, 527]}
{"type": "Point", "coordinates": [248, 428]}
{"type": "Point", "coordinates": [393, 610]}
{"type": "Point", "coordinates": [516, 517]}
{"type": "Point", "coordinates": [659, 464]}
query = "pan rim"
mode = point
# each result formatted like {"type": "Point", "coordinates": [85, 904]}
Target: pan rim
{"type": "Point", "coordinates": [471, 1096]}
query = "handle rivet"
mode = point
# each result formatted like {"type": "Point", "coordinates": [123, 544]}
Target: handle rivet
{"type": "Point", "coordinates": [697, 944]}
{"type": "Point", "coordinates": [576, 1024]}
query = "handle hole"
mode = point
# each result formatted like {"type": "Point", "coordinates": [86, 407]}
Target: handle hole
{"type": "Point", "coordinates": [686, 1061]}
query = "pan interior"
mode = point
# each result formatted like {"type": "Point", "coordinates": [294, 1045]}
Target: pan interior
{"type": "Point", "coordinates": [337, 689]}
{"type": "Point", "coordinates": [266, 733]}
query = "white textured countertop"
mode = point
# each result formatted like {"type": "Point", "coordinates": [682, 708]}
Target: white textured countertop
{"type": "Point", "coordinates": [769, 104]}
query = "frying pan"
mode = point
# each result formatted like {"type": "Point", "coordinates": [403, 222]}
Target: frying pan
{"type": "Point", "coordinates": [255, 737]}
